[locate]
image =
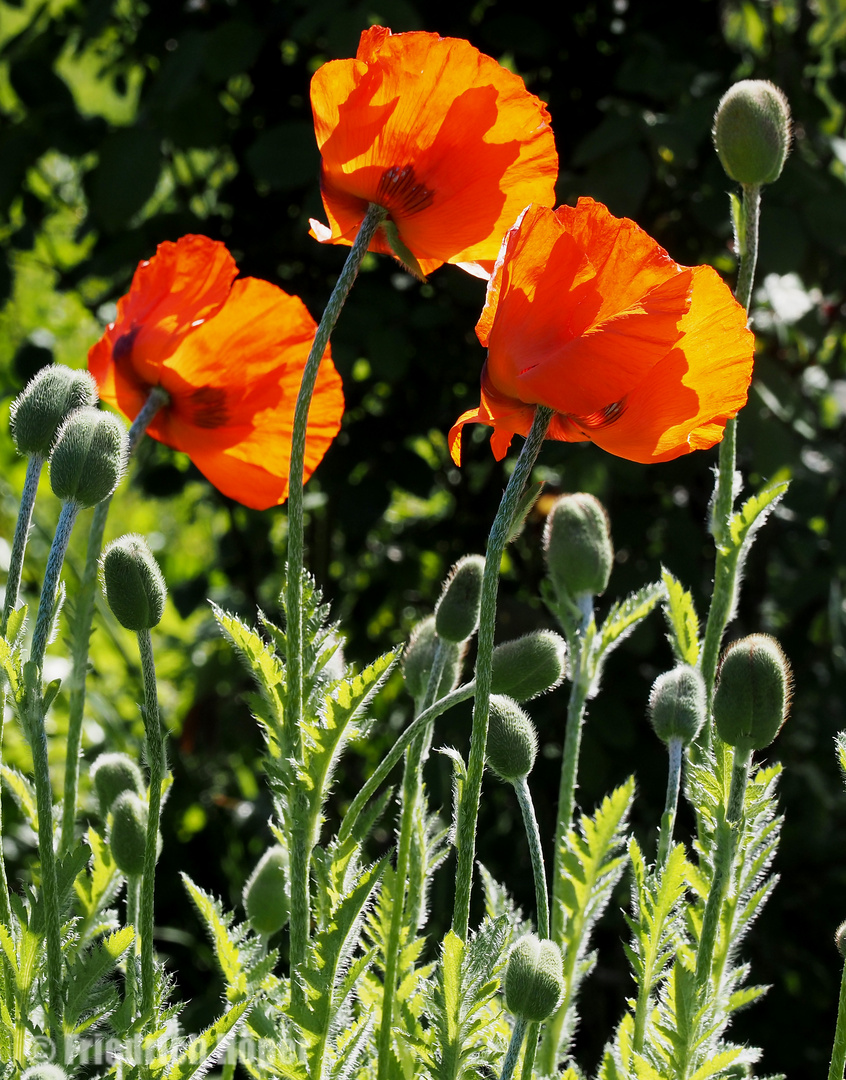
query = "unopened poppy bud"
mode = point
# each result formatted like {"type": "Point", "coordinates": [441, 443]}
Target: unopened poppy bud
{"type": "Point", "coordinates": [45, 1070]}
{"type": "Point", "coordinates": [47, 399]}
{"type": "Point", "coordinates": [534, 979]}
{"type": "Point", "coordinates": [752, 132]}
{"type": "Point", "coordinates": [266, 892]}
{"type": "Point", "coordinates": [133, 583]}
{"type": "Point", "coordinates": [840, 939]}
{"type": "Point", "coordinates": [129, 833]}
{"type": "Point", "coordinates": [457, 611]}
{"type": "Point", "coordinates": [512, 740]}
{"type": "Point", "coordinates": [577, 540]}
{"type": "Point", "coordinates": [529, 665]}
{"type": "Point", "coordinates": [677, 705]}
{"type": "Point", "coordinates": [419, 656]}
{"type": "Point", "coordinates": [111, 775]}
{"type": "Point", "coordinates": [88, 457]}
{"type": "Point", "coordinates": [753, 692]}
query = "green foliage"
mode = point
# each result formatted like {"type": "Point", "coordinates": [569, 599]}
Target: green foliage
{"type": "Point", "coordinates": [682, 620]}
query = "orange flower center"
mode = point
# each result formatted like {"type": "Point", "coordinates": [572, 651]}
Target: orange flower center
{"type": "Point", "coordinates": [398, 192]}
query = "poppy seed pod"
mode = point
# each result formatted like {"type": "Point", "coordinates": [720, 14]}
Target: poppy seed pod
{"type": "Point", "coordinates": [512, 740]}
{"type": "Point", "coordinates": [457, 610]}
{"type": "Point", "coordinates": [529, 665]}
{"type": "Point", "coordinates": [128, 839]}
{"type": "Point", "coordinates": [418, 658]}
{"type": "Point", "coordinates": [133, 583]}
{"type": "Point", "coordinates": [753, 692]}
{"type": "Point", "coordinates": [45, 402]}
{"type": "Point", "coordinates": [677, 705]}
{"type": "Point", "coordinates": [266, 893]}
{"type": "Point", "coordinates": [752, 132]}
{"type": "Point", "coordinates": [111, 775]}
{"type": "Point", "coordinates": [88, 457]}
{"type": "Point", "coordinates": [577, 541]}
{"type": "Point", "coordinates": [534, 979]}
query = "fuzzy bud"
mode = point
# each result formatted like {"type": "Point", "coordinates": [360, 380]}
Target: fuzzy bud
{"type": "Point", "coordinates": [752, 132]}
{"type": "Point", "coordinates": [512, 740]}
{"type": "Point", "coordinates": [111, 775]}
{"type": "Point", "coordinates": [133, 583]}
{"type": "Point", "coordinates": [44, 403]}
{"type": "Point", "coordinates": [529, 665]}
{"type": "Point", "coordinates": [840, 939]}
{"type": "Point", "coordinates": [457, 611]}
{"type": "Point", "coordinates": [677, 705]}
{"type": "Point", "coordinates": [44, 1070]}
{"type": "Point", "coordinates": [534, 979]}
{"type": "Point", "coordinates": [577, 541]}
{"type": "Point", "coordinates": [88, 457]}
{"type": "Point", "coordinates": [418, 658]}
{"type": "Point", "coordinates": [129, 833]}
{"type": "Point", "coordinates": [753, 692]}
{"type": "Point", "coordinates": [266, 892]}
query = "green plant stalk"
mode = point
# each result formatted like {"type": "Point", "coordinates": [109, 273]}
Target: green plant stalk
{"type": "Point", "coordinates": [300, 849]}
{"type": "Point", "coordinates": [468, 809]}
{"type": "Point", "coordinates": [513, 1052]}
{"type": "Point", "coordinates": [727, 836]}
{"type": "Point", "coordinates": [80, 629]}
{"type": "Point", "coordinates": [530, 823]}
{"type": "Point", "coordinates": [22, 527]}
{"type": "Point", "coordinates": [675, 753]}
{"type": "Point", "coordinates": [133, 904]}
{"type": "Point", "coordinates": [411, 790]}
{"type": "Point", "coordinates": [531, 1050]}
{"type": "Point", "coordinates": [838, 1051]}
{"type": "Point", "coordinates": [156, 764]}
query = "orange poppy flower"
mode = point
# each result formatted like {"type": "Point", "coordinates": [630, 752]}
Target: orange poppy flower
{"type": "Point", "coordinates": [230, 357]}
{"type": "Point", "coordinates": [586, 314]}
{"type": "Point", "coordinates": [448, 141]}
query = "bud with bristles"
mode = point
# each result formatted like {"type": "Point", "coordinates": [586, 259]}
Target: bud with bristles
{"type": "Point", "coordinates": [111, 775]}
{"type": "Point", "coordinates": [88, 457]}
{"type": "Point", "coordinates": [577, 540]}
{"type": "Point", "coordinates": [45, 402]}
{"type": "Point", "coordinates": [129, 833]}
{"type": "Point", "coordinates": [512, 740]}
{"type": "Point", "coordinates": [457, 611]}
{"type": "Point", "coordinates": [418, 657]}
{"type": "Point", "coordinates": [840, 939]}
{"type": "Point", "coordinates": [529, 665]}
{"type": "Point", "coordinates": [677, 705]}
{"type": "Point", "coordinates": [752, 132]}
{"type": "Point", "coordinates": [534, 979]}
{"type": "Point", "coordinates": [44, 1070]}
{"type": "Point", "coordinates": [753, 692]}
{"type": "Point", "coordinates": [266, 892]}
{"type": "Point", "coordinates": [133, 583]}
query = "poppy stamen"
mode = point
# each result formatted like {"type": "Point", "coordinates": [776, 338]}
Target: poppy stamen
{"type": "Point", "coordinates": [207, 405]}
{"type": "Point", "coordinates": [398, 192]}
{"type": "Point", "coordinates": [122, 348]}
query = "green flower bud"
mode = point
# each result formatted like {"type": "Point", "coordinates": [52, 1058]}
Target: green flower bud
{"type": "Point", "coordinates": [266, 893]}
{"type": "Point", "coordinates": [534, 979]}
{"type": "Point", "coordinates": [577, 541]}
{"type": "Point", "coordinates": [752, 132]}
{"type": "Point", "coordinates": [529, 665]}
{"type": "Point", "coordinates": [840, 939]}
{"type": "Point", "coordinates": [129, 833]}
{"type": "Point", "coordinates": [419, 656]}
{"type": "Point", "coordinates": [111, 775]}
{"type": "Point", "coordinates": [677, 705]}
{"type": "Point", "coordinates": [133, 583]}
{"type": "Point", "coordinates": [89, 457]}
{"type": "Point", "coordinates": [46, 1070]}
{"type": "Point", "coordinates": [457, 611]}
{"type": "Point", "coordinates": [512, 740]}
{"type": "Point", "coordinates": [45, 402]}
{"type": "Point", "coordinates": [753, 692]}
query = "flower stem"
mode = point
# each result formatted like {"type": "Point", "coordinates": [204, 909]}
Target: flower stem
{"type": "Point", "coordinates": [671, 801]}
{"type": "Point", "coordinates": [468, 809]}
{"type": "Point", "coordinates": [530, 823]}
{"type": "Point", "coordinates": [838, 1051]}
{"type": "Point", "coordinates": [16, 558]}
{"type": "Point", "coordinates": [156, 763]}
{"type": "Point", "coordinates": [133, 903]}
{"type": "Point", "coordinates": [513, 1052]}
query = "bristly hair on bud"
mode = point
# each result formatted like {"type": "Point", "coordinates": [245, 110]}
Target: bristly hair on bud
{"type": "Point", "coordinates": [89, 457]}
{"type": "Point", "coordinates": [534, 979]}
{"type": "Point", "coordinates": [512, 744]}
{"type": "Point", "coordinates": [840, 939]}
{"type": "Point", "coordinates": [529, 665]}
{"type": "Point", "coordinates": [457, 610]}
{"type": "Point", "coordinates": [133, 583]}
{"type": "Point", "coordinates": [577, 542]}
{"type": "Point", "coordinates": [113, 773]}
{"type": "Point", "coordinates": [678, 704]}
{"type": "Point", "coordinates": [418, 657]}
{"type": "Point", "coordinates": [752, 696]}
{"type": "Point", "coordinates": [752, 132]}
{"type": "Point", "coordinates": [266, 892]}
{"type": "Point", "coordinates": [128, 837]}
{"type": "Point", "coordinates": [46, 401]}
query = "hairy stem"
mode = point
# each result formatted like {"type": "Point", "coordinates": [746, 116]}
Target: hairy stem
{"type": "Point", "coordinates": [513, 1052]}
{"type": "Point", "coordinates": [22, 527]}
{"type": "Point", "coordinates": [530, 823]}
{"type": "Point", "coordinates": [675, 751]}
{"type": "Point", "coordinates": [838, 1051]}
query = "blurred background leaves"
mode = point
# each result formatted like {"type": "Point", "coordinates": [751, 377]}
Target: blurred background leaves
{"type": "Point", "coordinates": [125, 123]}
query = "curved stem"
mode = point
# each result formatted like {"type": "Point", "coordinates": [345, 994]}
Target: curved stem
{"type": "Point", "coordinates": [468, 810]}
{"type": "Point", "coordinates": [22, 527]}
{"type": "Point", "coordinates": [748, 243]}
{"type": "Point", "coordinates": [513, 1052]}
{"type": "Point", "coordinates": [668, 819]}
{"type": "Point", "coordinates": [838, 1051]}
{"type": "Point", "coordinates": [530, 822]}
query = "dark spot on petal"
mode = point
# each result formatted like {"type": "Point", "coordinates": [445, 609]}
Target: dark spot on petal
{"type": "Point", "coordinates": [399, 193]}
{"type": "Point", "coordinates": [123, 346]}
{"type": "Point", "coordinates": [207, 407]}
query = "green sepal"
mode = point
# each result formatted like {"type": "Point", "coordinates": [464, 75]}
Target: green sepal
{"type": "Point", "coordinates": [400, 252]}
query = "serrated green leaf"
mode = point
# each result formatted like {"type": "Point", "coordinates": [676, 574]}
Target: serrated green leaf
{"type": "Point", "coordinates": [682, 619]}
{"type": "Point", "coordinates": [620, 621]}
{"type": "Point", "coordinates": [217, 925]}
{"type": "Point", "coordinates": [90, 968]}
{"type": "Point", "coordinates": [840, 747]}
{"type": "Point", "coordinates": [98, 885]}
{"type": "Point", "coordinates": [23, 793]}
{"type": "Point", "coordinates": [15, 625]}
{"type": "Point", "coordinates": [755, 511]}
{"type": "Point", "coordinates": [204, 1050]}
